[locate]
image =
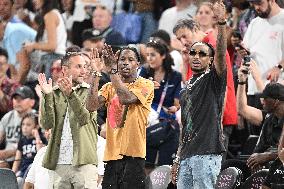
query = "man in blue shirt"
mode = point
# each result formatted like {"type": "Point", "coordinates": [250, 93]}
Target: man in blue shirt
{"type": "Point", "coordinates": [12, 37]}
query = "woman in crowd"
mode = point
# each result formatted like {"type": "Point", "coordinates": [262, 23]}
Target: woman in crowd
{"type": "Point", "coordinates": [205, 17]}
{"type": "Point", "coordinates": [68, 7]}
{"type": "Point", "coordinates": [166, 96]}
{"type": "Point", "coordinates": [51, 37]}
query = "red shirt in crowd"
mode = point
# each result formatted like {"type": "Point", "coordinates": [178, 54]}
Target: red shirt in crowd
{"type": "Point", "coordinates": [230, 116]}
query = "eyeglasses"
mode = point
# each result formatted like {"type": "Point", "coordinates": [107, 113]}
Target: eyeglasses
{"type": "Point", "coordinates": [201, 54]}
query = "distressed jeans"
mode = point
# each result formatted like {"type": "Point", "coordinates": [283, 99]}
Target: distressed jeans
{"type": "Point", "coordinates": [199, 171]}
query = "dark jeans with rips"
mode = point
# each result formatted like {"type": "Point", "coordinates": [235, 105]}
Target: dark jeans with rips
{"type": "Point", "coordinates": [126, 173]}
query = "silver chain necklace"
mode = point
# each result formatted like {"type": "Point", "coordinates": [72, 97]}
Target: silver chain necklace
{"type": "Point", "coordinates": [190, 85]}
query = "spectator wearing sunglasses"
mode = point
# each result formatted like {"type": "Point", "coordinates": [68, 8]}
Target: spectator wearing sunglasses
{"type": "Point", "coordinates": [198, 160]}
{"type": "Point", "coordinates": [188, 32]}
{"type": "Point", "coordinates": [56, 70]}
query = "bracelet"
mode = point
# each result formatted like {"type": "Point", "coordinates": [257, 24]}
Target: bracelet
{"type": "Point", "coordinates": [95, 73]}
{"type": "Point", "coordinates": [176, 160]}
{"type": "Point", "coordinates": [222, 22]}
{"type": "Point", "coordinates": [241, 82]}
{"type": "Point", "coordinates": [280, 67]}
{"type": "Point", "coordinates": [113, 71]}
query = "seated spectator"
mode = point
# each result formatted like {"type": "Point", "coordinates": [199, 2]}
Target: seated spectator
{"type": "Point", "coordinates": [13, 36]}
{"type": "Point", "coordinates": [93, 39]}
{"type": "Point", "coordinates": [23, 12]}
{"type": "Point", "coordinates": [275, 178]}
{"type": "Point", "coordinates": [6, 11]}
{"type": "Point", "coordinates": [101, 24]}
{"type": "Point", "coordinates": [10, 124]}
{"type": "Point", "coordinates": [29, 144]}
{"type": "Point", "coordinates": [7, 84]}
{"type": "Point", "coordinates": [272, 123]}
{"type": "Point", "coordinates": [275, 175]}
{"type": "Point", "coordinates": [51, 36]}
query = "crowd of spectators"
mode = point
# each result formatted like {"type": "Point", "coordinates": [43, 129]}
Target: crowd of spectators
{"type": "Point", "coordinates": [34, 36]}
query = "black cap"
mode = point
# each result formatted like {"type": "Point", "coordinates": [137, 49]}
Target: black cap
{"type": "Point", "coordinates": [274, 91]}
{"type": "Point", "coordinates": [24, 92]}
{"type": "Point", "coordinates": [92, 35]}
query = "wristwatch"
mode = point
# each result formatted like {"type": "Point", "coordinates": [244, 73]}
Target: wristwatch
{"type": "Point", "coordinates": [224, 22]}
{"type": "Point", "coordinates": [280, 67]}
{"type": "Point", "coordinates": [113, 71]}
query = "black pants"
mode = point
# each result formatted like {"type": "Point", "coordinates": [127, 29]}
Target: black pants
{"type": "Point", "coordinates": [127, 173]}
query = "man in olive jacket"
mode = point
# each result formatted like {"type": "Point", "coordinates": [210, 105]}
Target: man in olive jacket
{"type": "Point", "coordinates": [72, 149]}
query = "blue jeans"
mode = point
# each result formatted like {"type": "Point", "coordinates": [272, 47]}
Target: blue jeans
{"type": "Point", "coordinates": [199, 171]}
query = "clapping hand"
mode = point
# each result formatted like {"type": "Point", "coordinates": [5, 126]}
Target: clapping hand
{"type": "Point", "coordinates": [110, 59]}
{"type": "Point", "coordinates": [96, 61]}
{"type": "Point", "coordinates": [65, 85]}
{"type": "Point", "coordinates": [46, 87]}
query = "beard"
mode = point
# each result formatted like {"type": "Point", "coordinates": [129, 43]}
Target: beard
{"type": "Point", "coordinates": [200, 70]}
{"type": "Point", "coordinates": [266, 13]}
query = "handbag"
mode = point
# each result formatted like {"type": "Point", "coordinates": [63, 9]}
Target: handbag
{"type": "Point", "coordinates": [161, 132]}
{"type": "Point", "coordinates": [129, 24]}
{"type": "Point", "coordinates": [163, 129]}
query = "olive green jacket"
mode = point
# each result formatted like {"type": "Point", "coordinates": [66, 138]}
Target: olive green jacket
{"type": "Point", "coordinates": [82, 122]}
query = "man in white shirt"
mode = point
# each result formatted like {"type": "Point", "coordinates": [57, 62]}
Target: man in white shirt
{"type": "Point", "coordinates": [264, 41]}
{"type": "Point", "coordinates": [183, 9]}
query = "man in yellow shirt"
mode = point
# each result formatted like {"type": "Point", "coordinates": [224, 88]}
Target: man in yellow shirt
{"type": "Point", "coordinates": [128, 100]}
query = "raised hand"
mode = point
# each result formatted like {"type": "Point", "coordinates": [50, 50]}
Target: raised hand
{"type": "Point", "coordinates": [243, 73]}
{"type": "Point", "coordinates": [46, 87]}
{"type": "Point", "coordinates": [219, 11]}
{"type": "Point", "coordinates": [96, 61]}
{"type": "Point", "coordinates": [110, 59]}
{"type": "Point", "coordinates": [65, 85]}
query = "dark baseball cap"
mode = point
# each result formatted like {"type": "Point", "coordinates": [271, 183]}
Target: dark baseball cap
{"type": "Point", "coordinates": [91, 34]}
{"type": "Point", "coordinates": [24, 92]}
{"type": "Point", "coordinates": [274, 91]}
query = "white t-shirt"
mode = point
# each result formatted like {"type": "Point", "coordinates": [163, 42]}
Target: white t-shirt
{"type": "Point", "coordinates": [66, 144]}
{"type": "Point", "coordinates": [265, 41]}
{"type": "Point", "coordinates": [170, 17]}
{"type": "Point", "coordinates": [100, 152]}
{"type": "Point", "coordinates": [38, 175]}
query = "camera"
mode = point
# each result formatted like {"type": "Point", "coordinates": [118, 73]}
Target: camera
{"type": "Point", "coordinates": [246, 60]}
{"type": "Point", "coordinates": [246, 63]}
